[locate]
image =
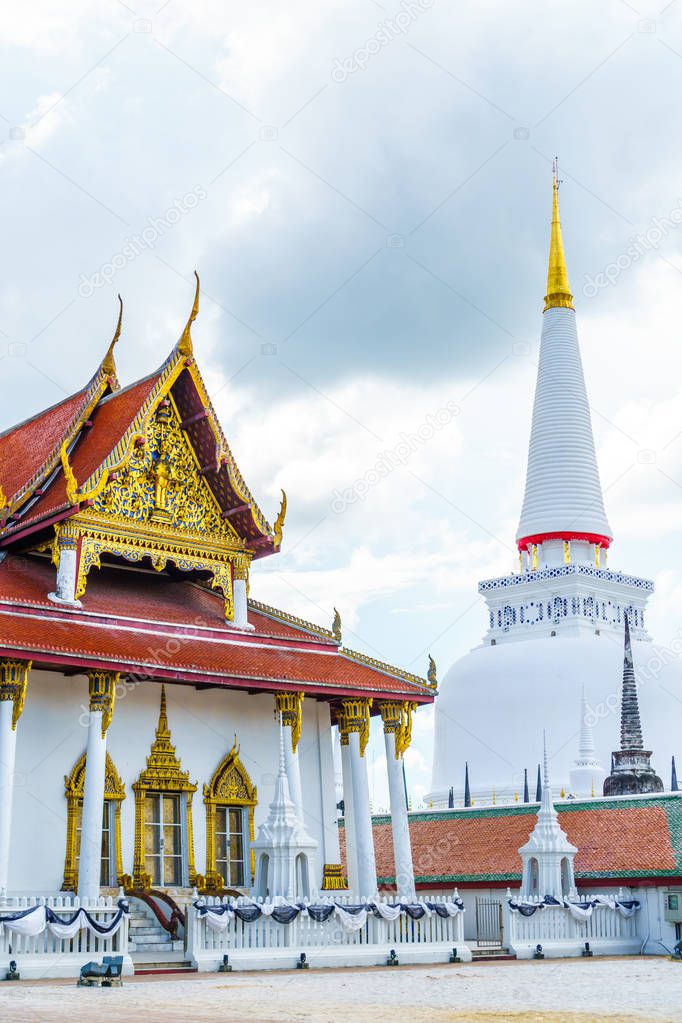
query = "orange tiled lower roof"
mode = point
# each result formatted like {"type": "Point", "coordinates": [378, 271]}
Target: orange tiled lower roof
{"type": "Point", "coordinates": [619, 838]}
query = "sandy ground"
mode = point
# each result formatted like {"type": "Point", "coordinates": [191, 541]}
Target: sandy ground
{"type": "Point", "coordinates": [560, 991]}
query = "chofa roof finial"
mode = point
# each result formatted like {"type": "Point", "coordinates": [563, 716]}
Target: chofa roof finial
{"type": "Point", "coordinates": [108, 362]}
{"type": "Point", "coordinates": [185, 342]}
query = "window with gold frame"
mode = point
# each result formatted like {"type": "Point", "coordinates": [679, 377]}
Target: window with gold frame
{"type": "Point", "coordinates": [230, 800]}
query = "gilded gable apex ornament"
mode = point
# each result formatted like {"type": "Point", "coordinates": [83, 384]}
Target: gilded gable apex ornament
{"type": "Point", "coordinates": [336, 626]}
{"type": "Point", "coordinates": [185, 346]}
{"type": "Point", "coordinates": [108, 362]}
{"type": "Point", "coordinates": [432, 674]}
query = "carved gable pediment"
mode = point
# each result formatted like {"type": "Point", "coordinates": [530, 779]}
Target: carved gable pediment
{"type": "Point", "coordinates": [162, 486]}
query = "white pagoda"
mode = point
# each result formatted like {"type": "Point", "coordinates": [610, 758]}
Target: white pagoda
{"type": "Point", "coordinates": [547, 856]}
{"type": "Point", "coordinates": [554, 626]}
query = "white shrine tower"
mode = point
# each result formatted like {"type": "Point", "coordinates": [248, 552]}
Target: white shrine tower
{"type": "Point", "coordinates": [547, 856]}
{"type": "Point", "coordinates": [555, 626]}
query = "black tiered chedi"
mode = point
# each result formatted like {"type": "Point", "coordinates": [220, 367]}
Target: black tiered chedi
{"type": "Point", "coordinates": [631, 770]}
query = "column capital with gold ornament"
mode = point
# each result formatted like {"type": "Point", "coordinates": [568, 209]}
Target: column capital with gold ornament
{"type": "Point", "coordinates": [102, 693]}
{"type": "Point", "coordinates": [289, 709]}
{"type": "Point", "coordinates": [397, 718]}
{"type": "Point", "coordinates": [353, 715]}
{"type": "Point", "coordinates": [13, 684]}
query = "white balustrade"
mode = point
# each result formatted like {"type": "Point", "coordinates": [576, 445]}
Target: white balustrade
{"type": "Point", "coordinates": [45, 954]}
{"type": "Point", "coordinates": [433, 937]}
{"type": "Point", "coordinates": [607, 931]}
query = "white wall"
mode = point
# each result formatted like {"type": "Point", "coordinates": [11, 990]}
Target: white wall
{"type": "Point", "coordinates": [51, 735]}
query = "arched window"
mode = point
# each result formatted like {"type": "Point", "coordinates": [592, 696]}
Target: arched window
{"type": "Point", "coordinates": [302, 883]}
{"type": "Point", "coordinates": [533, 877]}
{"type": "Point", "coordinates": [114, 793]}
{"type": "Point", "coordinates": [262, 879]}
{"type": "Point", "coordinates": [230, 799]}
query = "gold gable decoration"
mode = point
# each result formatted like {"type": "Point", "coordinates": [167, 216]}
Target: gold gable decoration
{"type": "Point", "coordinates": [74, 790]}
{"type": "Point", "coordinates": [162, 483]}
{"type": "Point", "coordinates": [229, 786]}
{"type": "Point", "coordinates": [158, 505]}
{"type": "Point", "coordinates": [163, 773]}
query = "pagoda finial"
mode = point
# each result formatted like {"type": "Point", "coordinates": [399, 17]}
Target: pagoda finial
{"type": "Point", "coordinates": [673, 778]}
{"type": "Point", "coordinates": [558, 287]}
{"type": "Point", "coordinates": [526, 794]}
{"type": "Point", "coordinates": [108, 363]}
{"type": "Point", "coordinates": [185, 342]}
{"type": "Point", "coordinates": [467, 788]}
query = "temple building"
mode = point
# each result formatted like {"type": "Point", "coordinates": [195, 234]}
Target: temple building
{"type": "Point", "coordinates": [150, 709]}
{"type": "Point", "coordinates": [552, 655]}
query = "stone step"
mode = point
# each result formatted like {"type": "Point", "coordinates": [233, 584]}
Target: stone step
{"type": "Point", "coordinates": [154, 946]}
{"type": "Point", "coordinates": [147, 928]}
{"type": "Point", "coordinates": [164, 967]}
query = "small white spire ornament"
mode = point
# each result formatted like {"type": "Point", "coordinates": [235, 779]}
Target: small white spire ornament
{"type": "Point", "coordinates": [547, 856]}
{"type": "Point", "coordinates": [587, 773]}
{"type": "Point", "coordinates": [286, 855]}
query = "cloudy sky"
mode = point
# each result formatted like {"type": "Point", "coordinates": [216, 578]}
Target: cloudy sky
{"type": "Point", "coordinates": [364, 187]}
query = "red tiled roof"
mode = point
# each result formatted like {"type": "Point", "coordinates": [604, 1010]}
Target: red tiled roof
{"type": "Point", "coordinates": [110, 420]}
{"type": "Point", "coordinates": [150, 624]}
{"type": "Point", "coordinates": [25, 448]}
{"type": "Point", "coordinates": [615, 838]}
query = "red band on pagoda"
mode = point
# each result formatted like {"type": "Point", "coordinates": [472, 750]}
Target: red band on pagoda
{"type": "Point", "coordinates": [538, 538]}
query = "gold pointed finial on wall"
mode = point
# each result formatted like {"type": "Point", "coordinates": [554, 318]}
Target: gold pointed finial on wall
{"type": "Point", "coordinates": [279, 523]}
{"type": "Point", "coordinates": [162, 729]}
{"type": "Point", "coordinates": [558, 287]}
{"type": "Point", "coordinates": [108, 362]}
{"type": "Point", "coordinates": [185, 342]}
{"type": "Point", "coordinates": [69, 478]}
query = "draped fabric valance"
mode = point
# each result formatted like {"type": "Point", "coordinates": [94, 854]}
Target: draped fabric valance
{"type": "Point", "coordinates": [351, 917]}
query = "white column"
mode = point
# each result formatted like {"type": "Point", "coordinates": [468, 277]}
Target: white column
{"type": "Point", "coordinates": [328, 811]}
{"type": "Point", "coordinates": [102, 686]}
{"type": "Point", "coordinates": [240, 617]}
{"type": "Point", "coordinates": [397, 719]}
{"type": "Point", "coordinates": [13, 683]}
{"type": "Point", "coordinates": [67, 570]}
{"type": "Point", "coordinates": [402, 848]}
{"type": "Point", "coordinates": [364, 840]}
{"type": "Point", "coordinates": [289, 709]}
{"type": "Point", "coordinates": [8, 745]}
{"type": "Point", "coordinates": [349, 820]}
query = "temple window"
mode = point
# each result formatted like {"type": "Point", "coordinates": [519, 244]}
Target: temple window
{"type": "Point", "coordinates": [230, 799]}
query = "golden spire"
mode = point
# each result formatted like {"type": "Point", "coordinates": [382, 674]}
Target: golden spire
{"type": "Point", "coordinates": [108, 363]}
{"type": "Point", "coordinates": [558, 287]}
{"type": "Point", "coordinates": [162, 729]}
{"type": "Point", "coordinates": [185, 342]}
